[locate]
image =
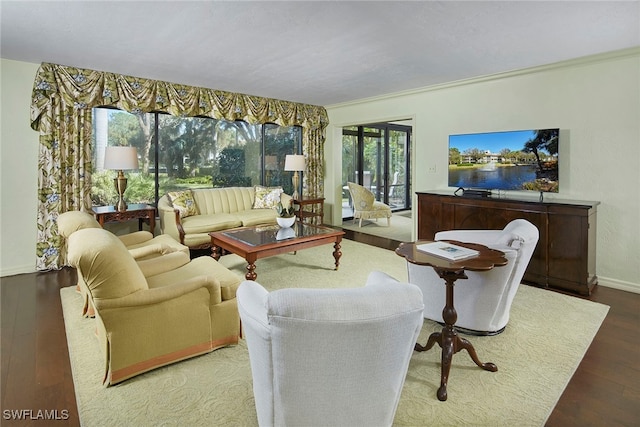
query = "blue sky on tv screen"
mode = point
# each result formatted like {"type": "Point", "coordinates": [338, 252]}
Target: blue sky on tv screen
{"type": "Point", "coordinates": [493, 141]}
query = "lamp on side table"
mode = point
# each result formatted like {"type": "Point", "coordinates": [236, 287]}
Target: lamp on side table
{"type": "Point", "coordinates": [120, 159]}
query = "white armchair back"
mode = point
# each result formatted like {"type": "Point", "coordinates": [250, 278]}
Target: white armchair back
{"type": "Point", "coordinates": [483, 300]}
{"type": "Point", "coordinates": [334, 357]}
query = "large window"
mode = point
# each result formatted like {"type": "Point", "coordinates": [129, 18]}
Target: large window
{"type": "Point", "coordinates": [189, 152]}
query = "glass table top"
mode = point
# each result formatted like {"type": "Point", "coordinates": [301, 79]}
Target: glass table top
{"type": "Point", "coordinates": [267, 234]}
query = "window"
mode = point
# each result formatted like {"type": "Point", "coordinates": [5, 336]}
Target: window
{"type": "Point", "coordinates": [189, 152]}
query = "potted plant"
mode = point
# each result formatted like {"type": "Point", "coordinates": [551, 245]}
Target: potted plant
{"type": "Point", "coordinates": [286, 215]}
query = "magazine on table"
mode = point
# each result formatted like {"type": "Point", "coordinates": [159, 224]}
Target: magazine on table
{"type": "Point", "coordinates": [447, 250]}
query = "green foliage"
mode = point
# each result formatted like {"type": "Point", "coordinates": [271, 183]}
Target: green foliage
{"type": "Point", "coordinates": [285, 212]}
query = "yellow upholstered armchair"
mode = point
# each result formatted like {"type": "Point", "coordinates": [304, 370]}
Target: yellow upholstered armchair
{"type": "Point", "coordinates": [180, 309]}
{"type": "Point", "coordinates": [365, 206]}
{"type": "Point", "coordinates": [141, 244]}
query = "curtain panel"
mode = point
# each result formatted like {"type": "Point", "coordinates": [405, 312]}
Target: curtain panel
{"type": "Point", "coordinates": [61, 105]}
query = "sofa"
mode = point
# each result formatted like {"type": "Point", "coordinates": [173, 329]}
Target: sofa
{"type": "Point", "coordinates": [190, 215]}
{"type": "Point", "coordinates": [154, 312]}
{"type": "Point", "coordinates": [141, 244]}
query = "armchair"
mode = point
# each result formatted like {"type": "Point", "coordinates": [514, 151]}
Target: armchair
{"type": "Point", "coordinates": [365, 206]}
{"type": "Point", "coordinates": [141, 244]}
{"type": "Point", "coordinates": [483, 301]}
{"type": "Point", "coordinates": [142, 322]}
{"type": "Point", "coordinates": [330, 357]}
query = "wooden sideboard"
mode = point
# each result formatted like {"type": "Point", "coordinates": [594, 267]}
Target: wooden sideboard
{"type": "Point", "coordinates": [565, 257]}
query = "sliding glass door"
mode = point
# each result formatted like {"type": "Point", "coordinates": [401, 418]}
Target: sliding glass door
{"type": "Point", "coordinates": [377, 156]}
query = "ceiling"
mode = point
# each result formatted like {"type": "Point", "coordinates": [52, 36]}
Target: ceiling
{"type": "Point", "coordinates": [320, 52]}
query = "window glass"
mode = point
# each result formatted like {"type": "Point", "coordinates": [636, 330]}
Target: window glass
{"type": "Point", "coordinates": [113, 128]}
{"type": "Point", "coordinates": [189, 152]}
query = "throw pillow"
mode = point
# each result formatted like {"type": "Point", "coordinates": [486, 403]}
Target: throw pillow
{"type": "Point", "coordinates": [267, 197]}
{"type": "Point", "coordinates": [184, 202]}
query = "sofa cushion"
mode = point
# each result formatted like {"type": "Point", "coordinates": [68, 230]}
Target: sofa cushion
{"type": "Point", "coordinates": [184, 202]}
{"type": "Point", "coordinates": [205, 266]}
{"type": "Point", "coordinates": [267, 197]}
{"type": "Point", "coordinates": [253, 217]}
{"type": "Point", "coordinates": [208, 223]}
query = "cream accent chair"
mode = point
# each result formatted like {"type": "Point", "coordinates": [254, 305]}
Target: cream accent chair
{"type": "Point", "coordinates": [330, 357]}
{"type": "Point", "coordinates": [183, 310]}
{"type": "Point", "coordinates": [141, 244]}
{"type": "Point", "coordinates": [365, 206]}
{"type": "Point", "coordinates": [483, 301]}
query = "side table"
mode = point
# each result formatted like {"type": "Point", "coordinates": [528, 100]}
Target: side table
{"type": "Point", "coordinates": [450, 271]}
{"type": "Point", "coordinates": [139, 211]}
{"type": "Point", "coordinates": [316, 213]}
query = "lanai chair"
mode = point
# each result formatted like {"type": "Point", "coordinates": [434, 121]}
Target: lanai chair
{"type": "Point", "coordinates": [365, 206]}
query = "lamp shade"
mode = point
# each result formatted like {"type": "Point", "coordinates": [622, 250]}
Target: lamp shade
{"type": "Point", "coordinates": [121, 158]}
{"type": "Point", "coordinates": [294, 162]}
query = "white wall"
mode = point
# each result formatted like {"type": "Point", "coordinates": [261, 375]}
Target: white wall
{"type": "Point", "coordinates": [18, 169]}
{"type": "Point", "coordinates": [594, 101]}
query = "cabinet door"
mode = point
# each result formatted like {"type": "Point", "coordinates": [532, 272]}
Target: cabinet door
{"type": "Point", "coordinates": [569, 254]}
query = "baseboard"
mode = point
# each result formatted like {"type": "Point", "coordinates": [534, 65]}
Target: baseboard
{"type": "Point", "coordinates": [619, 284]}
{"type": "Point", "coordinates": [29, 268]}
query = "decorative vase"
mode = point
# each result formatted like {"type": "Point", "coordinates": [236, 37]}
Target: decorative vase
{"type": "Point", "coordinates": [285, 222]}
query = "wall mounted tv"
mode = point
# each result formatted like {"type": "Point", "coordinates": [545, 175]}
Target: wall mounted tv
{"type": "Point", "coordinates": [512, 160]}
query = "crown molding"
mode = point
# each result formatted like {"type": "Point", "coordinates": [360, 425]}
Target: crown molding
{"type": "Point", "coordinates": [591, 59]}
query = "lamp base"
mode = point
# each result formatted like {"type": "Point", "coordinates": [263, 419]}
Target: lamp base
{"type": "Point", "coordinates": [120, 182]}
{"type": "Point", "coordinates": [295, 180]}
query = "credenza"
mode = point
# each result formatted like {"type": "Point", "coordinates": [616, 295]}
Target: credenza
{"type": "Point", "coordinates": [565, 257]}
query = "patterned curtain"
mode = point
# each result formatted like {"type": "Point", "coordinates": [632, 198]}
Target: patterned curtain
{"type": "Point", "coordinates": [61, 105]}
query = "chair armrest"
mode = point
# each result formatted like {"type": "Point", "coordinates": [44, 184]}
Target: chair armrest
{"type": "Point", "coordinates": [163, 264]}
{"type": "Point", "coordinates": [162, 294]}
{"type": "Point", "coordinates": [135, 238]}
{"type": "Point", "coordinates": [483, 237]}
{"type": "Point", "coordinates": [251, 298]}
{"type": "Point", "coordinates": [156, 249]}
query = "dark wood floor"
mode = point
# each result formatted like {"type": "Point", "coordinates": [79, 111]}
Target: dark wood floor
{"type": "Point", "coordinates": [36, 374]}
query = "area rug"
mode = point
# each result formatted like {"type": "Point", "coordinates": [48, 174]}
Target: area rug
{"type": "Point", "coordinates": [536, 356]}
{"type": "Point", "coordinates": [400, 229]}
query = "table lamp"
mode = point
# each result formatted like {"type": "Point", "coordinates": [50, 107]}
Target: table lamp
{"type": "Point", "coordinates": [120, 159]}
{"type": "Point", "coordinates": [295, 163]}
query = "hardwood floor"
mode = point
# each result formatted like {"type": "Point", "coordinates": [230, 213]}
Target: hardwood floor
{"type": "Point", "coordinates": [36, 373]}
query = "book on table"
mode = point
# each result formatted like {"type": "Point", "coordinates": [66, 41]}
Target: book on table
{"type": "Point", "coordinates": [447, 250]}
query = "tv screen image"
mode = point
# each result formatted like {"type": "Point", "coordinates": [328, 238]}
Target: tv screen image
{"type": "Point", "coordinates": [510, 160]}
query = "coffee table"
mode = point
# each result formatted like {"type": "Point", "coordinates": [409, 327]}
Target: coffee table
{"type": "Point", "coordinates": [450, 271]}
{"type": "Point", "coordinates": [253, 243]}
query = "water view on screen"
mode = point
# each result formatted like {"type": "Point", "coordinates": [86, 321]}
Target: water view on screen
{"type": "Point", "coordinates": [513, 160]}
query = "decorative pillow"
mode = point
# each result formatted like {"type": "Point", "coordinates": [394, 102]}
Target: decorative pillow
{"type": "Point", "coordinates": [184, 202]}
{"type": "Point", "coordinates": [267, 197]}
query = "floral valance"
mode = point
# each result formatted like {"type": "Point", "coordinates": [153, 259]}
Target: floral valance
{"type": "Point", "coordinates": [82, 88]}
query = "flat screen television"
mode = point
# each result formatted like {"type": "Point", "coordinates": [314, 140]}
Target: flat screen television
{"type": "Point", "coordinates": [523, 160]}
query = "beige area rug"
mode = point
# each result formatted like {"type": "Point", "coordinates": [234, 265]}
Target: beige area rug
{"type": "Point", "coordinates": [400, 229]}
{"type": "Point", "coordinates": [536, 357]}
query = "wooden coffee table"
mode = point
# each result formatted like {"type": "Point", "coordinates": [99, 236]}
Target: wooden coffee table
{"type": "Point", "coordinates": [253, 243]}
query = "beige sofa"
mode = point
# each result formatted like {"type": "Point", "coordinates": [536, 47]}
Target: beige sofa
{"type": "Point", "coordinates": [190, 216]}
{"type": "Point", "coordinates": [154, 312]}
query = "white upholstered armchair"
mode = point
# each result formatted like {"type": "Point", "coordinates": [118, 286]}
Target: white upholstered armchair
{"type": "Point", "coordinates": [482, 301]}
{"type": "Point", "coordinates": [365, 206]}
{"type": "Point", "coordinates": [330, 357]}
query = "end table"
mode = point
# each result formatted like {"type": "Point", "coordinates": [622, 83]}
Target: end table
{"type": "Point", "coordinates": [316, 213]}
{"type": "Point", "coordinates": [139, 211]}
{"type": "Point", "coordinates": [450, 271]}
